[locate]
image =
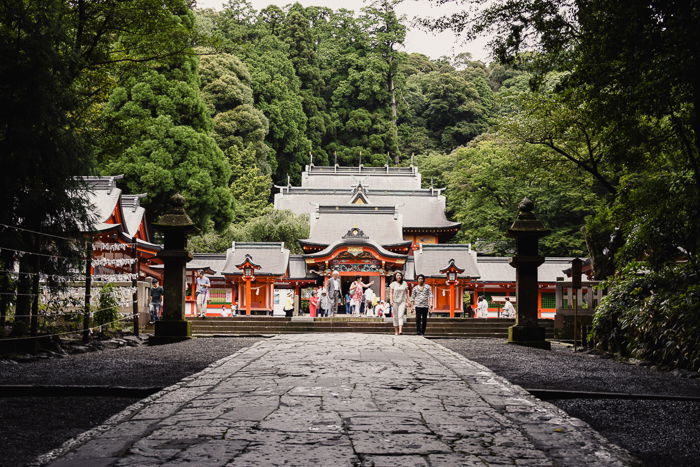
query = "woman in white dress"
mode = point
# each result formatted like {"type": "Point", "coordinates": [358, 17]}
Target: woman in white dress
{"type": "Point", "coordinates": [398, 296]}
{"type": "Point", "coordinates": [482, 310]}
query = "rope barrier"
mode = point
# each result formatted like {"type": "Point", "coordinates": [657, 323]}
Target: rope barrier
{"type": "Point", "coordinates": [65, 333]}
{"type": "Point", "coordinates": [36, 232]}
{"type": "Point", "coordinates": [41, 254]}
{"type": "Point", "coordinates": [7, 271]}
{"type": "Point", "coordinates": [81, 313]}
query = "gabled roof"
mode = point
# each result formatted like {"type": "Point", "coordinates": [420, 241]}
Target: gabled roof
{"type": "Point", "coordinates": [424, 208]}
{"type": "Point", "coordinates": [498, 269]}
{"type": "Point", "coordinates": [134, 214]}
{"type": "Point", "coordinates": [272, 257]}
{"type": "Point", "coordinates": [358, 241]}
{"type": "Point", "coordinates": [297, 268]}
{"type": "Point", "coordinates": [382, 224]}
{"type": "Point", "coordinates": [431, 259]}
{"type": "Point", "coordinates": [213, 261]}
{"type": "Point", "coordinates": [103, 197]}
{"type": "Point", "coordinates": [359, 195]}
{"type": "Point", "coordinates": [372, 177]}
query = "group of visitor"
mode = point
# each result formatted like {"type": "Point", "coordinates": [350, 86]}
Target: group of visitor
{"type": "Point", "coordinates": [482, 308]}
{"type": "Point", "coordinates": [320, 304]}
{"type": "Point", "coordinates": [360, 300]}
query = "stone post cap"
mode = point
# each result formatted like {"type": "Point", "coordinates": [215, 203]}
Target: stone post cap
{"type": "Point", "coordinates": [175, 218]}
{"type": "Point", "coordinates": [526, 223]}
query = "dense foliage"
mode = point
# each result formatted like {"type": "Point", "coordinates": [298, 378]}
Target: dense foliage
{"type": "Point", "coordinates": [272, 226]}
{"type": "Point", "coordinates": [652, 315]}
{"type": "Point", "coordinates": [613, 93]}
{"type": "Point", "coordinates": [107, 309]}
{"type": "Point", "coordinates": [487, 179]}
{"type": "Point", "coordinates": [58, 64]}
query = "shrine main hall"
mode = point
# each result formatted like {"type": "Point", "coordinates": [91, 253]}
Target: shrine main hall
{"type": "Point", "coordinates": [368, 222]}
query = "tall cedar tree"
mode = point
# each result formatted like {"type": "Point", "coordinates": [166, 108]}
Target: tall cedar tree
{"type": "Point", "coordinates": [239, 130]}
{"type": "Point", "coordinates": [158, 134]}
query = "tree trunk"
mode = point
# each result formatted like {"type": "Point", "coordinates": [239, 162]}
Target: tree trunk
{"type": "Point", "coordinates": [24, 297]}
{"type": "Point", "coordinates": [394, 119]}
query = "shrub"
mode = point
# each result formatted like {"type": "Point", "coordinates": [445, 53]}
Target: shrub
{"type": "Point", "coordinates": [108, 306]}
{"type": "Point", "coordinates": [652, 315]}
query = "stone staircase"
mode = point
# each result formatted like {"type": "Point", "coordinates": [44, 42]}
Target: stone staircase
{"type": "Point", "coordinates": [437, 327]}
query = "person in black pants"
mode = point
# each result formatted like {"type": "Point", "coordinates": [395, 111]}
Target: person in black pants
{"type": "Point", "coordinates": [422, 299]}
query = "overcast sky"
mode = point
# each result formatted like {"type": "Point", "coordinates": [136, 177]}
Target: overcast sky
{"type": "Point", "coordinates": [423, 42]}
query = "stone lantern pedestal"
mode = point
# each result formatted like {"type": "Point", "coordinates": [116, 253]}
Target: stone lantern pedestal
{"type": "Point", "coordinates": [527, 230]}
{"type": "Point", "coordinates": [175, 225]}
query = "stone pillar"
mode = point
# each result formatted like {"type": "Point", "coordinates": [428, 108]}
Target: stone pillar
{"type": "Point", "coordinates": [527, 230]}
{"type": "Point", "coordinates": [175, 225]}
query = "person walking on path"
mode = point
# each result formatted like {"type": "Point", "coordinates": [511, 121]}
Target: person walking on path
{"type": "Point", "coordinates": [156, 301]}
{"type": "Point", "coordinates": [398, 296]}
{"type": "Point", "coordinates": [357, 292]}
{"type": "Point", "coordinates": [422, 298]}
{"type": "Point", "coordinates": [325, 303]}
{"type": "Point", "coordinates": [313, 304]}
{"type": "Point", "coordinates": [334, 291]}
{"type": "Point", "coordinates": [203, 285]}
{"type": "Point", "coordinates": [508, 309]}
{"type": "Point", "coordinates": [482, 310]}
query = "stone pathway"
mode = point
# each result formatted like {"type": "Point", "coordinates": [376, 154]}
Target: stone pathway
{"type": "Point", "coordinates": [341, 399]}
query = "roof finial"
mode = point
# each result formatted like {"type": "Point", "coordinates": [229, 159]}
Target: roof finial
{"type": "Point", "coordinates": [431, 183]}
{"type": "Point", "coordinates": [360, 158]}
{"type": "Point", "coordinates": [412, 159]}
{"type": "Point", "coordinates": [335, 158]}
{"type": "Point", "coordinates": [311, 157]}
{"type": "Point", "coordinates": [289, 181]}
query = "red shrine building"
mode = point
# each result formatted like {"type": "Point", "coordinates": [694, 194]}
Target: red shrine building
{"type": "Point", "coordinates": [121, 240]}
{"type": "Point", "coordinates": [366, 222]}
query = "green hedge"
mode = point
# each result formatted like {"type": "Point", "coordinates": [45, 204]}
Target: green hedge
{"type": "Point", "coordinates": [652, 315]}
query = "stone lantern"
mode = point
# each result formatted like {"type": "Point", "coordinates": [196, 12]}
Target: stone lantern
{"type": "Point", "coordinates": [248, 268]}
{"type": "Point", "coordinates": [527, 230]}
{"type": "Point", "coordinates": [451, 272]}
{"type": "Point", "coordinates": [175, 225]}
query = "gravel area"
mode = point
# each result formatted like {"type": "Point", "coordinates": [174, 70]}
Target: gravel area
{"type": "Point", "coordinates": [32, 426]}
{"type": "Point", "coordinates": [659, 433]}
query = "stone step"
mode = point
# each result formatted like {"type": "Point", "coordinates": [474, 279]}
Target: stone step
{"type": "Point", "coordinates": [437, 327]}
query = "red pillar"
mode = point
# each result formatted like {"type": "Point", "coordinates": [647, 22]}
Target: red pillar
{"type": "Point", "coordinates": [452, 299]}
{"type": "Point", "coordinates": [248, 296]}
{"type": "Point", "coordinates": [382, 287]}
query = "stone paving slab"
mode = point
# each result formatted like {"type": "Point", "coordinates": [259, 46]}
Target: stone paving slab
{"type": "Point", "coordinates": [341, 399]}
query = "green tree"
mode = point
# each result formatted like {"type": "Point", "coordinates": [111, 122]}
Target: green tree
{"type": "Point", "coordinates": [158, 134]}
{"type": "Point", "coordinates": [387, 32]}
{"type": "Point", "coordinates": [271, 226]}
{"type": "Point", "coordinates": [276, 87]}
{"type": "Point", "coordinates": [626, 111]}
{"type": "Point", "coordinates": [298, 35]}
{"type": "Point", "coordinates": [487, 179]}
{"type": "Point", "coordinates": [57, 60]}
{"type": "Point", "coordinates": [240, 130]}
{"type": "Point", "coordinates": [447, 106]}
